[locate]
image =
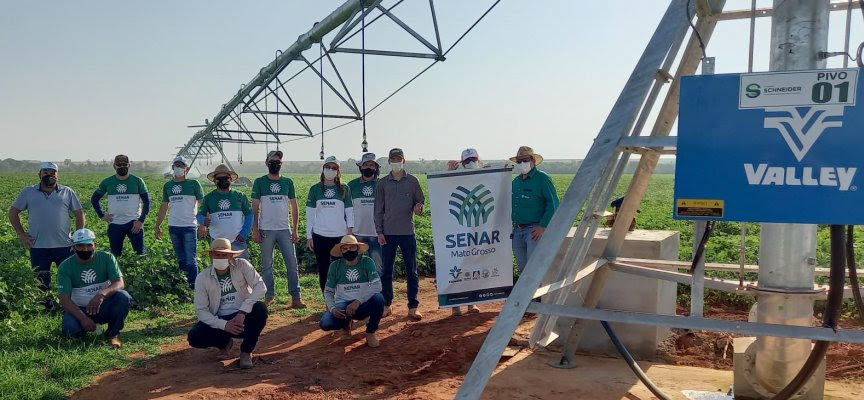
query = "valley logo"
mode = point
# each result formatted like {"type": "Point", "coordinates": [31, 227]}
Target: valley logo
{"type": "Point", "coordinates": [471, 208]}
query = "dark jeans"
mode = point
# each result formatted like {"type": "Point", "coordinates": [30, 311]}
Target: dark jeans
{"type": "Point", "coordinates": [408, 244]}
{"type": "Point", "coordinates": [113, 311]}
{"type": "Point", "coordinates": [41, 259]}
{"type": "Point", "coordinates": [374, 250]}
{"type": "Point", "coordinates": [185, 241]}
{"type": "Point", "coordinates": [203, 336]}
{"type": "Point", "coordinates": [117, 233]}
{"type": "Point", "coordinates": [372, 308]}
{"type": "Point", "coordinates": [321, 246]}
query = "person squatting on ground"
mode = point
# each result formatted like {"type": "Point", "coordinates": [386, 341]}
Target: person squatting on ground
{"type": "Point", "coordinates": [128, 206]}
{"type": "Point", "coordinates": [534, 202]}
{"type": "Point", "coordinates": [182, 197]}
{"type": "Point", "coordinates": [90, 286]}
{"type": "Point", "coordinates": [363, 198]}
{"type": "Point", "coordinates": [398, 196]}
{"type": "Point", "coordinates": [329, 216]}
{"type": "Point", "coordinates": [230, 213]}
{"type": "Point", "coordinates": [48, 236]}
{"type": "Point", "coordinates": [271, 196]}
{"type": "Point", "coordinates": [353, 291]}
{"type": "Point", "coordinates": [228, 301]}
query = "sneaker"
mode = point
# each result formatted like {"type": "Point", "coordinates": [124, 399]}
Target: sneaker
{"type": "Point", "coordinates": [372, 340]}
{"type": "Point", "coordinates": [297, 303]}
{"type": "Point", "coordinates": [115, 342]}
{"type": "Point", "coordinates": [414, 314]}
{"type": "Point", "coordinates": [245, 361]}
{"type": "Point", "coordinates": [456, 311]}
{"type": "Point", "coordinates": [473, 309]}
{"type": "Point", "coordinates": [387, 311]}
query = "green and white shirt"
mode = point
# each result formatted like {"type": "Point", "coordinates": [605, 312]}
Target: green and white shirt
{"type": "Point", "coordinates": [228, 302]}
{"type": "Point", "coordinates": [182, 196]}
{"type": "Point", "coordinates": [124, 197]}
{"type": "Point", "coordinates": [83, 281]}
{"type": "Point", "coordinates": [227, 212]}
{"type": "Point", "coordinates": [351, 282]}
{"type": "Point", "coordinates": [363, 198]}
{"type": "Point", "coordinates": [327, 213]}
{"type": "Point", "coordinates": [274, 195]}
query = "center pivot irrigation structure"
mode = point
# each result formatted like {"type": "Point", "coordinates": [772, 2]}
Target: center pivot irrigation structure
{"type": "Point", "coordinates": [272, 108]}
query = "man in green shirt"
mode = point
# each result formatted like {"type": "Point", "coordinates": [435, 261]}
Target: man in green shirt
{"type": "Point", "coordinates": [229, 211]}
{"type": "Point", "coordinates": [534, 202]}
{"type": "Point", "coordinates": [90, 286]}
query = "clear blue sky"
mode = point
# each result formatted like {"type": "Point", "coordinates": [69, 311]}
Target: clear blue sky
{"type": "Point", "coordinates": [90, 79]}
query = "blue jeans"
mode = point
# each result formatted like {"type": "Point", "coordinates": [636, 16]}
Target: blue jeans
{"type": "Point", "coordinates": [117, 233]}
{"type": "Point", "coordinates": [374, 250]}
{"type": "Point", "coordinates": [113, 312]}
{"type": "Point", "coordinates": [41, 259]}
{"type": "Point", "coordinates": [408, 244]}
{"type": "Point", "coordinates": [523, 245]}
{"type": "Point", "coordinates": [281, 238]}
{"type": "Point", "coordinates": [372, 308]}
{"type": "Point", "coordinates": [238, 245]}
{"type": "Point", "coordinates": [185, 241]}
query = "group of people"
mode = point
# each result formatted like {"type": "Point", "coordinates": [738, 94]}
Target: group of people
{"type": "Point", "coordinates": [353, 229]}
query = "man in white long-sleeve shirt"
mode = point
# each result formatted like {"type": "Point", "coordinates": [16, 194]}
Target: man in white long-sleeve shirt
{"type": "Point", "coordinates": [353, 290]}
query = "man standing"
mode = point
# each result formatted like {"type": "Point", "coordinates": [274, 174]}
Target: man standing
{"type": "Point", "coordinates": [398, 195]}
{"type": "Point", "coordinates": [128, 206]}
{"type": "Point", "coordinates": [90, 285]}
{"type": "Point", "coordinates": [181, 195]}
{"type": "Point", "coordinates": [363, 197]}
{"type": "Point", "coordinates": [534, 202]}
{"type": "Point", "coordinates": [48, 236]}
{"type": "Point", "coordinates": [230, 213]}
{"type": "Point", "coordinates": [271, 196]}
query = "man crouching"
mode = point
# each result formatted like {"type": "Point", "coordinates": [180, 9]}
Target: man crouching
{"type": "Point", "coordinates": [228, 300]}
{"type": "Point", "coordinates": [353, 290]}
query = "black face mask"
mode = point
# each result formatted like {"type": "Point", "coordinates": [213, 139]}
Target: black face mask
{"type": "Point", "coordinates": [350, 255]}
{"type": "Point", "coordinates": [49, 180]}
{"type": "Point", "coordinates": [84, 254]}
{"type": "Point", "coordinates": [368, 172]}
{"type": "Point", "coordinates": [223, 183]}
{"type": "Point", "coordinates": [123, 171]}
{"type": "Point", "coordinates": [274, 167]}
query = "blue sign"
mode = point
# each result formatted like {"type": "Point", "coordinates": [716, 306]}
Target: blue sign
{"type": "Point", "coordinates": [771, 147]}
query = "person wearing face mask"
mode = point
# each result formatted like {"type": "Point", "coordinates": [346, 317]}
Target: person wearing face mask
{"type": "Point", "coordinates": [228, 302]}
{"type": "Point", "coordinates": [90, 286]}
{"type": "Point", "coordinates": [229, 210]}
{"type": "Point", "coordinates": [329, 215]}
{"type": "Point", "coordinates": [363, 197]}
{"type": "Point", "coordinates": [399, 197]}
{"type": "Point", "coordinates": [181, 196]}
{"type": "Point", "coordinates": [353, 291]}
{"type": "Point", "coordinates": [271, 196]}
{"type": "Point", "coordinates": [128, 206]}
{"type": "Point", "coordinates": [470, 160]}
{"type": "Point", "coordinates": [48, 204]}
{"type": "Point", "coordinates": [534, 202]}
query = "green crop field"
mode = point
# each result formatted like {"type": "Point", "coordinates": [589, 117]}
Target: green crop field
{"type": "Point", "coordinates": [36, 362]}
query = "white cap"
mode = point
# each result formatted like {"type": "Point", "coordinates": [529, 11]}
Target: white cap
{"type": "Point", "coordinates": [83, 236]}
{"type": "Point", "coordinates": [48, 165]}
{"type": "Point", "coordinates": [470, 153]}
{"type": "Point", "coordinates": [182, 159]}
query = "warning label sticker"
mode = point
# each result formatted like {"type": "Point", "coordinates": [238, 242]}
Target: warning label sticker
{"type": "Point", "coordinates": [706, 208]}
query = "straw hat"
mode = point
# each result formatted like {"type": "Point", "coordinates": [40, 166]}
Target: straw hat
{"type": "Point", "coordinates": [348, 240]}
{"type": "Point", "coordinates": [222, 169]}
{"type": "Point", "coordinates": [223, 245]}
{"type": "Point", "coordinates": [527, 151]}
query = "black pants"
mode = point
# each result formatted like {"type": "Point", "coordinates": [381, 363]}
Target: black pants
{"type": "Point", "coordinates": [322, 245]}
{"type": "Point", "coordinates": [203, 336]}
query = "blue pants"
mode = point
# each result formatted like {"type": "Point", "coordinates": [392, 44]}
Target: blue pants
{"type": "Point", "coordinates": [185, 241]}
{"type": "Point", "coordinates": [41, 259]}
{"type": "Point", "coordinates": [281, 238]}
{"type": "Point", "coordinates": [408, 244]}
{"type": "Point", "coordinates": [374, 250]}
{"type": "Point", "coordinates": [238, 245]}
{"type": "Point", "coordinates": [113, 311]}
{"type": "Point", "coordinates": [523, 245]}
{"type": "Point", "coordinates": [117, 233]}
{"type": "Point", "coordinates": [372, 308]}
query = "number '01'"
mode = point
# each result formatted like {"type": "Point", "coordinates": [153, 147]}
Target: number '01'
{"type": "Point", "coordinates": [823, 91]}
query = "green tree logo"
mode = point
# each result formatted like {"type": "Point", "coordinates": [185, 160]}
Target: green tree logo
{"type": "Point", "coordinates": [471, 207]}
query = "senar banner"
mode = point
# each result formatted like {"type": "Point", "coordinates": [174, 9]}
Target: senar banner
{"type": "Point", "coordinates": [471, 230]}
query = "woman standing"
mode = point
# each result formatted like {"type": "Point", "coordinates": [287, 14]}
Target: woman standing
{"type": "Point", "coordinates": [329, 216]}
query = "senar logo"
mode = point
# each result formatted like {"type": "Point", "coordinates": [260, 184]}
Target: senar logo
{"type": "Point", "coordinates": [471, 207]}
{"type": "Point", "coordinates": [224, 204]}
{"type": "Point", "coordinates": [352, 275]}
{"type": "Point", "coordinates": [753, 90]}
{"type": "Point", "coordinates": [121, 188]}
{"type": "Point", "coordinates": [275, 187]}
{"type": "Point", "coordinates": [88, 276]}
{"type": "Point", "coordinates": [226, 285]}
{"type": "Point", "coordinates": [176, 189]}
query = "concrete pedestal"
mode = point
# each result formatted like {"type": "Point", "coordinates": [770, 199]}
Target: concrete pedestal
{"type": "Point", "coordinates": [627, 293]}
{"type": "Point", "coordinates": [745, 386]}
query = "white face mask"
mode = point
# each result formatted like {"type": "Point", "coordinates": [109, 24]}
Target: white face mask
{"type": "Point", "coordinates": [397, 166]}
{"type": "Point", "coordinates": [524, 167]}
{"type": "Point", "coordinates": [472, 165]}
{"type": "Point", "coordinates": [179, 171]}
{"type": "Point", "coordinates": [330, 174]}
{"type": "Point", "coordinates": [220, 263]}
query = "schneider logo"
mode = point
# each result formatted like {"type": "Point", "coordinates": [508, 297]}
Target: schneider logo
{"type": "Point", "coordinates": [471, 207]}
{"type": "Point", "coordinates": [752, 90]}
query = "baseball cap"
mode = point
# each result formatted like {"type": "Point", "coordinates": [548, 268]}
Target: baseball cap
{"type": "Point", "coordinates": [181, 159]}
{"type": "Point", "coordinates": [396, 152]}
{"type": "Point", "coordinates": [470, 153]}
{"type": "Point", "coordinates": [271, 153]}
{"type": "Point", "coordinates": [48, 165]}
{"type": "Point", "coordinates": [121, 159]}
{"type": "Point", "coordinates": [83, 236]}
{"type": "Point", "coordinates": [331, 159]}
{"type": "Point", "coordinates": [367, 157]}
